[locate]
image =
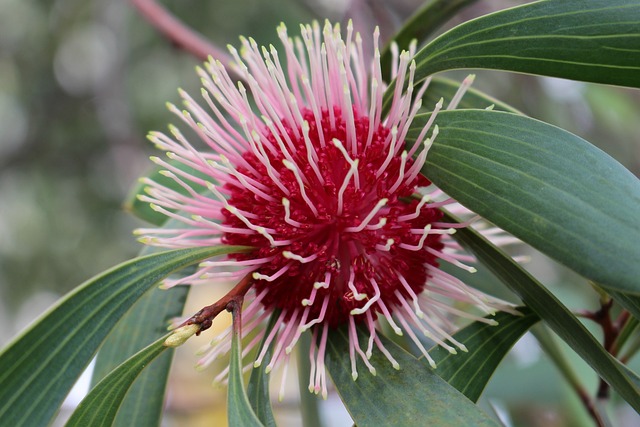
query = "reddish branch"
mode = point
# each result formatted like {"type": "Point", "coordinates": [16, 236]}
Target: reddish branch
{"type": "Point", "coordinates": [178, 33]}
{"type": "Point", "coordinates": [231, 301]}
{"type": "Point", "coordinates": [610, 331]}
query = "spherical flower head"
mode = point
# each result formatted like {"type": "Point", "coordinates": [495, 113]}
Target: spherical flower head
{"type": "Point", "coordinates": [301, 163]}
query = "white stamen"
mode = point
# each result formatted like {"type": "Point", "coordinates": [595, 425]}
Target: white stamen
{"type": "Point", "coordinates": [466, 83]}
{"type": "Point", "coordinates": [368, 218]}
{"type": "Point", "coordinates": [312, 156]}
{"type": "Point", "coordinates": [386, 247]}
{"type": "Point", "coordinates": [369, 303]}
{"type": "Point", "coordinates": [415, 339]}
{"type": "Point", "coordinates": [403, 163]}
{"type": "Point", "coordinates": [292, 167]}
{"type": "Point", "coordinates": [353, 170]}
{"type": "Point", "coordinates": [416, 214]}
{"type": "Point", "coordinates": [258, 276]}
{"type": "Point", "coordinates": [451, 259]}
{"type": "Point", "coordinates": [356, 295]}
{"type": "Point", "coordinates": [303, 260]}
{"type": "Point", "coordinates": [392, 151]}
{"type": "Point", "coordinates": [388, 355]}
{"type": "Point", "coordinates": [381, 223]}
{"type": "Point", "coordinates": [287, 213]}
{"type": "Point", "coordinates": [425, 233]}
{"type": "Point", "coordinates": [352, 163]}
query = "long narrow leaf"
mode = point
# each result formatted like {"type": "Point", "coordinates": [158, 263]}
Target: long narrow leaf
{"type": "Point", "coordinates": [144, 323]}
{"type": "Point", "coordinates": [100, 406]}
{"type": "Point", "coordinates": [587, 40]}
{"type": "Point", "coordinates": [258, 388]}
{"type": "Point", "coordinates": [629, 302]}
{"type": "Point", "coordinates": [487, 344]}
{"type": "Point", "coordinates": [41, 365]}
{"type": "Point", "coordinates": [412, 396]}
{"type": "Point", "coordinates": [239, 409]}
{"type": "Point", "coordinates": [554, 313]}
{"type": "Point", "coordinates": [546, 186]}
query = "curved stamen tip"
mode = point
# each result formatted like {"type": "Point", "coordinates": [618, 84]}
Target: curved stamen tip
{"type": "Point", "coordinates": [257, 363]}
{"type": "Point", "coordinates": [463, 347]}
{"type": "Point", "coordinates": [287, 164]}
{"type": "Point", "coordinates": [452, 350]}
{"type": "Point", "coordinates": [354, 375]}
{"type": "Point", "coordinates": [432, 364]}
{"type": "Point", "coordinates": [373, 371]}
{"type": "Point", "coordinates": [356, 311]}
{"type": "Point", "coordinates": [395, 365]}
{"type": "Point", "coordinates": [359, 297]}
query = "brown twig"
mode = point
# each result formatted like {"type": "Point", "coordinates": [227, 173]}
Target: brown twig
{"type": "Point", "coordinates": [183, 36]}
{"type": "Point", "coordinates": [610, 332]}
{"type": "Point", "coordinates": [233, 299]}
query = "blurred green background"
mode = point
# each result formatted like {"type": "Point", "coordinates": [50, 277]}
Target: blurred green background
{"type": "Point", "coordinates": [82, 82]}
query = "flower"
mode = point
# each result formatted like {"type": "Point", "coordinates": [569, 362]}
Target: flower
{"type": "Point", "coordinates": [301, 163]}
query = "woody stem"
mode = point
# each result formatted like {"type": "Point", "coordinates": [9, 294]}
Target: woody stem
{"type": "Point", "coordinates": [232, 300]}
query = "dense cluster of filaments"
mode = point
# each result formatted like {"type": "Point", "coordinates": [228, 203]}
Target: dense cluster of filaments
{"type": "Point", "coordinates": [339, 226]}
{"type": "Point", "coordinates": [324, 187]}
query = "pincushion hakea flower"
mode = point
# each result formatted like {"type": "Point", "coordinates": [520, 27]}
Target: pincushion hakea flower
{"type": "Point", "coordinates": [309, 172]}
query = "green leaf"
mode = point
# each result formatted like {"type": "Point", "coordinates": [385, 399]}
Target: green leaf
{"type": "Point", "coordinates": [411, 396]}
{"type": "Point", "coordinates": [445, 88]}
{"type": "Point", "coordinates": [100, 406]}
{"type": "Point", "coordinates": [258, 388]}
{"type": "Point", "coordinates": [309, 402]}
{"type": "Point", "coordinates": [550, 346]}
{"type": "Point", "coordinates": [630, 302]}
{"type": "Point", "coordinates": [423, 23]}
{"type": "Point", "coordinates": [239, 409]}
{"type": "Point", "coordinates": [544, 185]}
{"type": "Point", "coordinates": [553, 312]}
{"type": "Point", "coordinates": [145, 322]}
{"type": "Point", "coordinates": [41, 365]}
{"type": "Point", "coordinates": [142, 210]}
{"type": "Point", "coordinates": [487, 344]}
{"type": "Point", "coordinates": [588, 40]}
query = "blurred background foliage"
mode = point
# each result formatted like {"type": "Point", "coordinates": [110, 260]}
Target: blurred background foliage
{"type": "Point", "coordinates": [82, 82]}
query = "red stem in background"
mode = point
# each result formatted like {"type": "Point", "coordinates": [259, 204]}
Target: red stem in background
{"type": "Point", "coordinates": [178, 33]}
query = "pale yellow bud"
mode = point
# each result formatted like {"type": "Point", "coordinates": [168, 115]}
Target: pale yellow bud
{"type": "Point", "coordinates": [181, 335]}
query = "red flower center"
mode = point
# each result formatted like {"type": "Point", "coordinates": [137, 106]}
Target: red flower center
{"type": "Point", "coordinates": [335, 218]}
